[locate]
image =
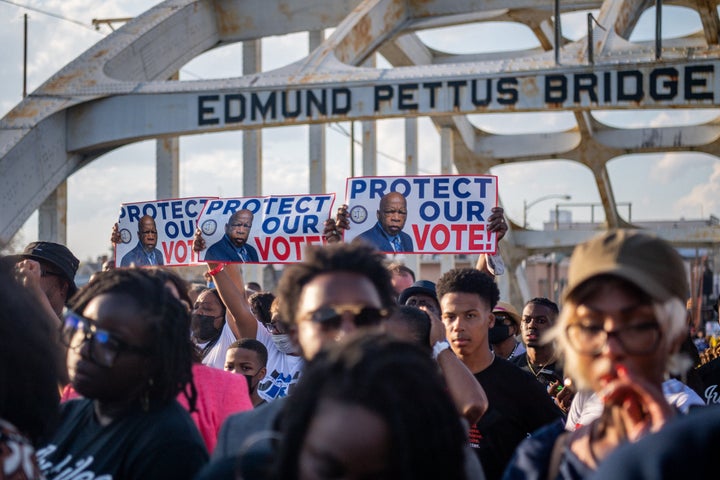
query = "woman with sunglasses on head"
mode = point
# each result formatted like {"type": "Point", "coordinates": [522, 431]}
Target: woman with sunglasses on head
{"type": "Point", "coordinates": [620, 328]}
{"type": "Point", "coordinates": [129, 355]}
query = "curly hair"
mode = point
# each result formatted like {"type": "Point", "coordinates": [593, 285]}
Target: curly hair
{"type": "Point", "coordinates": [169, 322]}
{"type": "Point", "coordinates": [417, 321]}
{"type": "Point", "coordinates": [355, 258]}
{"type": "Point", "coordinates": [260, 303]}
{"type": "Point", "coordinates": [398, 382]}
{"type": "Point", "coordinates": [254, 346]}
{"type": "Point", "coordinates": [469, 280]}
{"type": "Point", "coordinates": [29, 396]}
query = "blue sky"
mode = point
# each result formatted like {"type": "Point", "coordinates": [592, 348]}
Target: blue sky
{"type": "Point", "coordinates": [671, 186]}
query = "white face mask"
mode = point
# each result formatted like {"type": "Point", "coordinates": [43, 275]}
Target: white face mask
{"type": "Point", "coordinates": [283, 343]}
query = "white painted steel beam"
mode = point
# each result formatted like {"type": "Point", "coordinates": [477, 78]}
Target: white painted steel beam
{"type": "Point", "coordinates": [114, 93]}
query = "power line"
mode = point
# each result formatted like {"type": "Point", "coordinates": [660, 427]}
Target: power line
{"type": "Point", "coordinates": [49, 14]}
{"type": "Point", "coordinates": [340, 129]}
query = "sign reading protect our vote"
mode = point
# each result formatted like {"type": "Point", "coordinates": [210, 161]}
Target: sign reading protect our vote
{"type": "Point", "coordinates": [167, 240]}
{"type": "Point", "coordinates": [423, 214]}
{"type": "Point", "coordinates": [280, 227]}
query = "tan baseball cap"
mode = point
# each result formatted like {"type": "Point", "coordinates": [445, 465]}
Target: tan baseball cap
{"type": "Point", "coordinates": [647, 261]}
{"type": "Point", "coordinates": [505, 307]}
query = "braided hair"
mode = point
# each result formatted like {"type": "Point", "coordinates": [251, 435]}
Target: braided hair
{"type": "Point", "coordinates": [398, 382]}
{"type": "Point", "coordinates": [29, 375]}
{"type": "Point", "coordinates": [169, 323]}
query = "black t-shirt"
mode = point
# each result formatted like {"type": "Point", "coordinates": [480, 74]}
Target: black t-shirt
{"type": "Point", "coordinates": [710, 378]}
{"type": "Point", "coordinates": [546, 375]}
{"type": "Point", "coordinates": [518, 405]}
{"type": "Point", "coordinates": [160, 444]}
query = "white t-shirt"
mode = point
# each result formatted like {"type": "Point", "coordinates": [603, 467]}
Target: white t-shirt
{"type": "Point", "coordinates": [216, 356]}
{"type": "Point", "coordinates": [283, 370]}
{"type": "Point", "coordinates": [586, 406]}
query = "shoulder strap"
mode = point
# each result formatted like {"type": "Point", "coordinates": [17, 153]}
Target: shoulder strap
{"type": "Point", "coordinates": [556, 455]}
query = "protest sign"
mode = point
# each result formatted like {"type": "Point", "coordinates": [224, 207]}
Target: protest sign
{"type": "Point", "coordinates": [422, 214]}
{"type": "Point", "coordinates": [158, 232]}
{"type": "Point", "coordinates": [271, 229]}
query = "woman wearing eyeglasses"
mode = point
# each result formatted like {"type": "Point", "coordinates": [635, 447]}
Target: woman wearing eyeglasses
{"type": "Point", "coordinates": [622, 323]}
{"type": "Point", "coordinates": [130, 356]}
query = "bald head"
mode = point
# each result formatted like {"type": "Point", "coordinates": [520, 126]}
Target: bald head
{"type": "Point", "coordinates": [238, 227]}
{"type": "Point", "coordinates": [147, 232]}
{"type": "Point", "coordinates": [392, 213]}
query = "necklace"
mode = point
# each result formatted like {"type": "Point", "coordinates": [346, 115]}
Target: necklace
{"type": "Point", "coordinates": [512, 354]}
{"type": "Point", "coordinates": [541, 367]}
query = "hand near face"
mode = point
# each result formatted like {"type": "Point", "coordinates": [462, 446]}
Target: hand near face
{"type": "Point", "coordinates": [28, 273]}
{"type": "Point", "coordinates": [437, 327]}
{"type": "Point", "coordinates": [637, 404]}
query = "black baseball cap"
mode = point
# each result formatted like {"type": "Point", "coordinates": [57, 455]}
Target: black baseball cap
{"type": "Point", "coordinates": [423, 287]}
{"type": "Point", "coordinates": [59, 256]}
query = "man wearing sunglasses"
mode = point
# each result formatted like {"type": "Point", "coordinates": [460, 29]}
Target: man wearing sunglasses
{"type": "Point", "coordinates": [336, 290]}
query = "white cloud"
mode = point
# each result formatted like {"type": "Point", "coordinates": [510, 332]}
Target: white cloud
{"type": "Point", "coordinates": [703, 198]}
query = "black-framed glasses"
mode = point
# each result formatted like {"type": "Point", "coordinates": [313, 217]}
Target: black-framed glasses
{"type": "Point", "coordinates": [503, 318]}
{"type": "Point", "coordinates": [329, 317]}
{"type": "Point", "coordinates": [640, 339]}
{"type": "Point", "coordinates": [104, 346]}
{"type": "Point", "coordinates": [274, 326]}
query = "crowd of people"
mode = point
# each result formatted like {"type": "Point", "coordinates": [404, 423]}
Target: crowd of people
{"type": "Point", "coordinates": [353, 368]}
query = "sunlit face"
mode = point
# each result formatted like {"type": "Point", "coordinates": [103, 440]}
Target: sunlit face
{"type": "Point", "coordinates": [467, 318]}
{"type": "Point", "coordinates": [147, 232]}
{"type": "Point", "coordinates": [392, 213]}
{"type": "Point", "coordinates": [345, 442]}
{"type": "Point", "coordinates": [238, 227]}
{"type": "Point", "coordinates": [613, 308]}
{"type": "Point", "coordinates": [331, 290]}
{"type": "Point", "coordinates": [536, 320]}
{"type": "Point", "coordinates": [242, 361]}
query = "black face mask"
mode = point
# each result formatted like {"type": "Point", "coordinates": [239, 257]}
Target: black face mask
{"type": "Point", "coordinates": [498, 333]}
{"type": "Point", "coordinates": [203, 327]}
{"type": "Point", "coordinates": [249, 379]}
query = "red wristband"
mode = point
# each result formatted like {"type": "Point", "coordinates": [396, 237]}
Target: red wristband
{"type": "Point", "coordinates": [217, 269]}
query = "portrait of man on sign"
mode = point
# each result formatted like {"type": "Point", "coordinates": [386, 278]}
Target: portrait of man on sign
{"type": "Point", "coordinates": [233, 246]}
{"type": "Point", "coordinates": [387, 235]}
{"type": "Point", "coordinates": [144, 254]}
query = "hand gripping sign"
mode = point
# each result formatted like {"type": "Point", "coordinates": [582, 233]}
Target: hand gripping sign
{"type": "Point", "coordinates": [158, 232]}
{"type": "Point", "coordinates": [272, 229]}
{"type": "Point", "coordinates": [422, 214]}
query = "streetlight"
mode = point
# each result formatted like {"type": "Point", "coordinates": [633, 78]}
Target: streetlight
{"type": "Point", "coordinates": [526, 205]}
